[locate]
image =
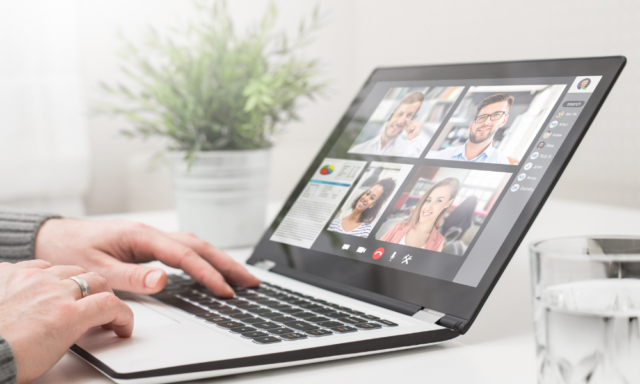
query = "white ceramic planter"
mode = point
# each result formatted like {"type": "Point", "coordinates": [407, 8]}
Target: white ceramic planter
{"type": "Point", "coordinates": [222, 197]}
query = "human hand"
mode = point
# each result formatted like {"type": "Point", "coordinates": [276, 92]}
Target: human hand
{"type": "Point", "coordinates": [110, 247]}
{"type": "Point", "coordinates": [42, 312]}
{"type": "Point", "coordinates": [413, 130]}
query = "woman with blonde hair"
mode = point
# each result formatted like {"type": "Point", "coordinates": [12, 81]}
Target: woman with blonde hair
{"type": "Point", "coordinates": [420, 230]}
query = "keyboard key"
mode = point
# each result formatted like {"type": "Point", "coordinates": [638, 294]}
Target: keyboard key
{"type": "Point", "coordinates": [336, 315]}
{"type": "Point", "coordinates": [293, 336]}
{"type": "Point", "coordinates": [279, 307]}
{"type": "Point", "coordinates": [369, 326]}
{"type": "Point", "coordinates": [206, 314]}
{"type": "Point", "coordinates": [237, 302]}
{"type": "Point", "coordinates": [354, 312]}
{"type": "Point", "coordinates": [281, 331]}
{"type": "Point", "coordinates": [241, 315]}
{"type": "Point", "coordinates": [191, 296]}
{"type": "Point", "coordinates": [369, 317]}
{"type": "Point", "coordinates": [323, 311]}
{"type": "Point", "coordinates": [352, 320]}
{"type": "Point", "coordinates": [254, 334]}
{"type": "Point", "coordinates": [282, 319]}
{"type": "Point", "coordinates": [330, 324]}
{"type": "Point", "coordinates": [310, 306]}
{"type": "Point", "coordinates": [252, 320]}
{"type": "Point", "coordinates": [292, 310]}
{"type": "Point", "coordinates": [266, 302]}
{"type": "Point", "coordinates": [219, 307]}
{"type": "Point", "coordinates": [179, 303]}
{"type": "Point", "coordinates": [242, 329]}
{"type": "Point", "coordinates": [316, 319]}
{"type": "Point", "coordinates": [266, 325]}
{"type": "Point", "coordinates": [299, 325]}
{"type": "Point", "coordinates": [229, 324]}
{"type": "Point", "coordinates": [270, 315]}
{"type": "Point", "coordinates": [319, 332]}
{"type": "Point", "coordinates": [344, 329]}
{"type": "Point", "coordinates": [246, 294]}
{"type": "Point", "coordinates": [215, 320]}
{"type": "Point", "coordinates": [290, 299]}
{"type": "Point", "coordinates": [258, 310]}
{"type": "Point", "coordinates": [231, 312]}
{"type": "Point", "coordinates": [266, 340]}
{"type": "Point", "coordinates": [247, 307]}
{"type": "Point", "coordinates": [203, 300]}
{"type": "Point", "coordinates": [387, 323]}
{"type": "Point", "coordinates": [302, 315]}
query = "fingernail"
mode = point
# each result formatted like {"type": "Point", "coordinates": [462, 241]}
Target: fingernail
{"type": "Point", "coordinates": [152, 279]}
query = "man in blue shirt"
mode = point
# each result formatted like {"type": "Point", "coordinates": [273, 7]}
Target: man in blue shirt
{"type": "Point", "coordinates": [492, 114]}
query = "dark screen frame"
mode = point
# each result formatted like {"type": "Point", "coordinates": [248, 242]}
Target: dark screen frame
{"type": "Point", "coordinates": [454, 299]}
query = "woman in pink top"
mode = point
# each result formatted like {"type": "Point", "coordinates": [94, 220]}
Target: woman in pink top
{"type": "Point", "coordinates": [420, 230]}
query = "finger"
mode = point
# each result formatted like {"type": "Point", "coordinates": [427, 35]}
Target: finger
{"type": "Point", "coordinates": [177, 255]}
{"type": "Point", "coordinates": [97, 284]}
{"type": "Point", "coordinates": [131, 277]}
{"type": "Point", "coordinates": [40, 264]}
{"type": "Point", "coordinates": [106, 309]}
{"type": "Point", "coordinates": [65, 271]}
{"type": "Point", "coordinates": [229, 268]}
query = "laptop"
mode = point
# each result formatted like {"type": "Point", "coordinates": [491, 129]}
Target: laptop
{"type": "Point", "coordinates": [396, 234]}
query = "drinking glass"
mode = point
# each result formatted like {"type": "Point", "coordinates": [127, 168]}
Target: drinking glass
{"type": "Point", "coordinates": [586, 293]}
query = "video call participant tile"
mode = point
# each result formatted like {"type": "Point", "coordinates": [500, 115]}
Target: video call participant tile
{"type": "Point", "coordinates": [495, 124]}
{"type": "Point", "coordinates": [441, 209]}
{"type": "Point", "coordinates": [369, 198]}
{"type": "Point", "coordinates": [405, 121]}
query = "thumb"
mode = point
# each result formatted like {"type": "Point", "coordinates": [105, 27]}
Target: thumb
{"type": "Point", "coordinates": [133, 277]}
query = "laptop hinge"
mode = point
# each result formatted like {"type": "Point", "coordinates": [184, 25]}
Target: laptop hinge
{"type": "Point", "coordinates": [435, 317]}
{"type": "Point", "coordinates": [455, 323]}
{"type": "Point", "coordinates": [428, 315]}
{"type": "Point", "coordinates": [265, 264]}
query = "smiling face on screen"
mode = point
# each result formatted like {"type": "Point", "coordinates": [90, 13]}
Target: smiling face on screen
{"type": "Point", "coordinates": [483, 132]}
{"type": "Point", "coordinates": [438, 200]}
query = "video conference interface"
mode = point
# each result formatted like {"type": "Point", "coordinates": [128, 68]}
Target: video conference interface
{"type": "Point", "coordinates": [430, 177]}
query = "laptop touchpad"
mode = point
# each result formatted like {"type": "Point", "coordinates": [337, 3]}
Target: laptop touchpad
{"type": "Point", "coordinates": [145, 316]}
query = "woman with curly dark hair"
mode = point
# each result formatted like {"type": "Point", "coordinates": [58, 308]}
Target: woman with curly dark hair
{"type": "Point", "coordinates": [364, 210]}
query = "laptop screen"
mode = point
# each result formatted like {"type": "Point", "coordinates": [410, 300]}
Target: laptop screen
{"type": "Point", "coordinates": [430, 176]}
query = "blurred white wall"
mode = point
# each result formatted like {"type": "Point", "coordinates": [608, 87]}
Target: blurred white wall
{"type": "Point", "coordinates": [361, 35]}
{"type": "Point", "coordinates": [44, 146]}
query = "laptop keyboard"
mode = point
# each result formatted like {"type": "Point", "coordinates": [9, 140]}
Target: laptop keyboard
{"type": "Point", "coordinates": [268, 314]}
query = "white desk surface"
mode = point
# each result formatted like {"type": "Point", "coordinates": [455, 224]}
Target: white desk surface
{"type": "Point", "coordinates": [499, 348]}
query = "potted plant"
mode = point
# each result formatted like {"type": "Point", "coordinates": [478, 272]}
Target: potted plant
{"type": "Point", "coordinates": [219, 99]}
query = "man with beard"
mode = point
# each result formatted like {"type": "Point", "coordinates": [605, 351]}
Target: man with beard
{"type": "Point", "coordinates": [491, 115]}
{"type": "Point", "coordinates": [389, 142]}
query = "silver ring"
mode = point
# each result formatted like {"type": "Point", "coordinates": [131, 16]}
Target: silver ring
{"type": "Point", "coordinates": [84, 286]}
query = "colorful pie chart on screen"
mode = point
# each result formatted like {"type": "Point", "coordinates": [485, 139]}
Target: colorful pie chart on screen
{"type": "Point", "coordinates": [327, 170]}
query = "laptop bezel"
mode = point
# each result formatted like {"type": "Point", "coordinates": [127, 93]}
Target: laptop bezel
{"type": "Point", "coordinates": [457, 300]}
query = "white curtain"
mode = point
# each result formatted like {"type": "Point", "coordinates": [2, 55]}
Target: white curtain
{"type": "Point", "coordinates": [44, 144]}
